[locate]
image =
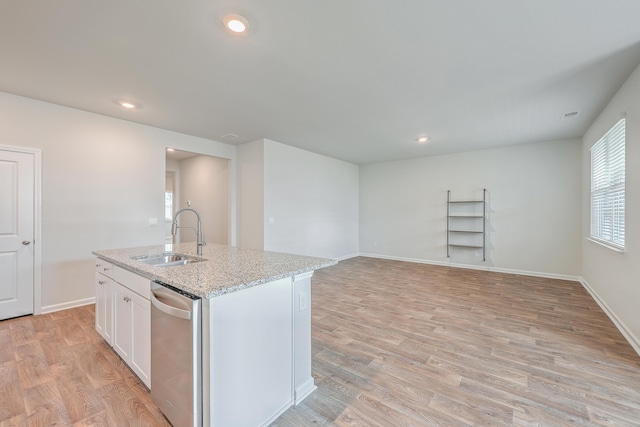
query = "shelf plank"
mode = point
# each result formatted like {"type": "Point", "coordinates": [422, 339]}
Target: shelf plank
{"type": "Point", "coordinates": [465, 246]}
{"type": "Point", "coordinates": [467, 216]}
{"type": "Point", "coordinates": [466, 231]}
{"type": "Point", "coordinates": [466, 201]}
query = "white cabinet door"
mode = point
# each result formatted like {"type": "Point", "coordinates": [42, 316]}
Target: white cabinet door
{"type": "Point", "coordinates": [132, 331]}
{"type": "Point", "coordinates": [122, 321]}
{"type": "Point", "coordinates": [100, 282]}
{"type": "Point", "coordinates": [141, 338]}
{"type": "Point", "coordinates": [104, 307]}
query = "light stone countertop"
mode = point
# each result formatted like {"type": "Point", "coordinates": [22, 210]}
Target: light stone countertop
{"type": "Point", "coordinates": [225, 269]}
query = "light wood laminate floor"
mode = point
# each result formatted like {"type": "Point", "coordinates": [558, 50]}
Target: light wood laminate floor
{"type": "Point", "coordinates": [394, 344]}
{"type": "Point", "coordinates": [404, 344]}
{"type": "Point", "coordinates": [55, 369]}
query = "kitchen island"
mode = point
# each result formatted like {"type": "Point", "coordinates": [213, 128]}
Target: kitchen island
{"type": "Point", "coordinates": [256, 324]}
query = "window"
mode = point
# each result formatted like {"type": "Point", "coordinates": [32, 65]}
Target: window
{"type": "Point", "coordinates": [168, 206]}
{"type": "Point", "coordinates": [169, 195]}
{"type": "Point", "coordinates": [608, 187]}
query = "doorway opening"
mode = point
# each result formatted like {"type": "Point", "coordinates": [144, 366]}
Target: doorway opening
{"type": "Point", "coordinates": [200, 182]}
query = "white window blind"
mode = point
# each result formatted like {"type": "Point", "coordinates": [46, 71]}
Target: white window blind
{"type": "Point", "coordinates": [168, 205]}
{"type": "Point", "coordinates": [608, 187]}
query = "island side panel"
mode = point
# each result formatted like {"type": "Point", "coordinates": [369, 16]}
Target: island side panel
{"type": "Point", "coordinates": [206, 362]}
{"type": "Point", "coordinates": [250, 355]}
{"type": "Point", "coordinates": [303, 381]}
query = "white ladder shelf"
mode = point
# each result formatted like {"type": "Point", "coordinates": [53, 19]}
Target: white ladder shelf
{"type": "Point", "coordinates": [467, 212]}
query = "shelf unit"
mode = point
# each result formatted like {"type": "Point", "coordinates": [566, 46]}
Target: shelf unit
{"type": "Point", "coordinates": [470, 213]}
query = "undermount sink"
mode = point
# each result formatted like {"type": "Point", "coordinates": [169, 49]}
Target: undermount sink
{"type": "Point", "coordinates": [168, 259]}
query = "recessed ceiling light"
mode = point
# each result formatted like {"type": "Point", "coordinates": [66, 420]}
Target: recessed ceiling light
{"type": "Point", "coordinates": [422, 139]}
{"type": "Point", "coordinates": [171, 149]}
{"type": "Point", "coordinates": [236, 23]}
{"type": "Point", "coordinates": [128, 105]}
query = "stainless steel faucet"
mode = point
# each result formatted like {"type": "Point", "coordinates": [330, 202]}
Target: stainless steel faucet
{"type": "Point", "coordinates": [174, 228]}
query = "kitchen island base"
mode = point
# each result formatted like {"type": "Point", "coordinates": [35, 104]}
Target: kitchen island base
{"type": "Point", "coordinates": [256, 323]}
{"type": "Point", "coordinates": [257, 352]}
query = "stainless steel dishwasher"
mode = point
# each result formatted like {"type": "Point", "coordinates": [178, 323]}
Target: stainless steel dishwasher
{"type": "Point", "coordinates": [176, 354]}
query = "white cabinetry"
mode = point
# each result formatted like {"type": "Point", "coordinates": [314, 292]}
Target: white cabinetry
{"type": "Point", "coordinates": [123, 316]}
{"type": "Point", "coordinates": [132, 331]}
{"type": "Point", "coordinates": [104, 301]}
{"type": "Point", "coordinates": [141, 338]}
{"type": "Point", "coordinates": [122, 322]}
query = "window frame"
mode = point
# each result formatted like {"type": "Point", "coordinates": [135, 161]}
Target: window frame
{"type": "Point", "coordinates": [607, 195]}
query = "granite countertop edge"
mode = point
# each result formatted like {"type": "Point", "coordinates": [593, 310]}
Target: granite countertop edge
{"type": "Point", "coordinates": [212, 285]}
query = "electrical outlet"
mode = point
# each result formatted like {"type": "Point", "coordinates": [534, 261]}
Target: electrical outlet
{"type": "Point", "coordinates": [304, 301]}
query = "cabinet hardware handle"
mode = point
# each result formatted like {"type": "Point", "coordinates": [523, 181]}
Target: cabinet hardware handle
{"type": "Point", "coordinates": [106, 268]}
{"type": "Point", "coordinates": [26, 242]}
{"type": "Point", "coordinates": [101, 282]}
{"type": "Point", "coordinates": [127, 299]}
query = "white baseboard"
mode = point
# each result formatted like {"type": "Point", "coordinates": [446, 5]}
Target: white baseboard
{"type": "Point", "coordinates": [478, 267]}
{"type": "Point", "coordinates": [626, 332]}
{"type": "Point", "coordinates": [277, 414]}
{"type": "Point", "coordinates": [342, 258]}
{"type": "Point", "coordinates": [67, 305]}
{"type": "Point", "coordinates": [304, 390]}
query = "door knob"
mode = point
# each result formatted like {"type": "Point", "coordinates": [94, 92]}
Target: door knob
{"type": "Point", "coordinates": [26, 242]}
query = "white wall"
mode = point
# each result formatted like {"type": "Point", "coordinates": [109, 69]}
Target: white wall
{"type": "Point", "coordinates": [311, 199]}
{"type": "Point", "coordinates": [614, 278]}
{"type": "Point", "coordinates": [204, 182]}
{"type": "Point", "coordinates": [103, 178]}
{"type": "Point", "coordinates": [251, 195]}
{"type": "Point", "coordinates": [534, 206]}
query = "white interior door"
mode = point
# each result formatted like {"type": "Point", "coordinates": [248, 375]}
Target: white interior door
{"type": "Point", "coordinates": [17, 212]}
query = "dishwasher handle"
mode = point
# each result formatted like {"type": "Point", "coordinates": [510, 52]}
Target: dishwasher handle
{"type": "Point", "coordinates": [170, 310]}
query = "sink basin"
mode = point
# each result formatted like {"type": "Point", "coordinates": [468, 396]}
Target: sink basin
{"type": "Point", "coordinates": [168, 259]}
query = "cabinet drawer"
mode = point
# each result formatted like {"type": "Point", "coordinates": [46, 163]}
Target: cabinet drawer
{"type": "Point", "coordinates": [104, 267]}
{"type": "Point", "coordinates": [136, 283]}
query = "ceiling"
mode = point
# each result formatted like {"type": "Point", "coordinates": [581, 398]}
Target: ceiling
{"type": "Point", "coordinates": [358, 80]}
{"type": "Point", "coordinates": [179, 155]}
